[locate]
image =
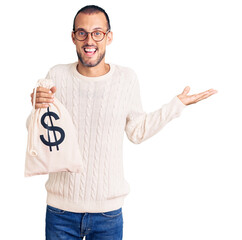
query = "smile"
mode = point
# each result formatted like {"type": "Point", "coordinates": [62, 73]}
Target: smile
{"type": "Point", "coordinates": [90, 51]}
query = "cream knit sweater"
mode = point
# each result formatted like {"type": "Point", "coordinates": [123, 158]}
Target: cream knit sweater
{"type": "Point", "coordinates": [102, 108]}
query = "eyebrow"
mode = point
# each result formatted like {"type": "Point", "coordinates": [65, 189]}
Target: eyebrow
{"type": "Point", "coordinates": [97, 28]}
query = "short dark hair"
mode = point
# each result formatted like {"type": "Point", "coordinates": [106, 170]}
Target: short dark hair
{"type": "Point", "coordinates": [90, 9]}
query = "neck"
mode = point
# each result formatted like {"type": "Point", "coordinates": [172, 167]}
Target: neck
{"type": "Point", "coordinates": [97, 71]}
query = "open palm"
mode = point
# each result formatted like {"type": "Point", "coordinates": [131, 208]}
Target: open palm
{"type": "Point", "coordinates": [190, 99]}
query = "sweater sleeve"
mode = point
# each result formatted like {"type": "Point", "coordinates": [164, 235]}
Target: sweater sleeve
{"type": "Point", "coordinates": [140, 125]}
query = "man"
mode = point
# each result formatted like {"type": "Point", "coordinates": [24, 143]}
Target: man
{"type": "Point", "coordinates": [104, 101]}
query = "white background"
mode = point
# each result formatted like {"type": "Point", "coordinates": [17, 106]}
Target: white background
{"type": "Point", "coordinates": [186, 180]}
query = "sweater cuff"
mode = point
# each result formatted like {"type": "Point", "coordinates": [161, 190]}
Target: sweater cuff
{"type": "Point", "coordinates": [179, 102]}
{"type": "Point", "coordinates": [176, 106]}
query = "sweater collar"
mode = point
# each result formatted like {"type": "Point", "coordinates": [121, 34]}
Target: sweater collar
{"type": "Point", "coordinates": [92, 79]}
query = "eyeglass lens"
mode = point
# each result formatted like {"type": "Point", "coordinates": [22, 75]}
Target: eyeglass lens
{"type": "Point", "coordinates": [96, 35]}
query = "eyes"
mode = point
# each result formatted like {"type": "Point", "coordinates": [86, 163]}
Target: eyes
{"type": "Point", "coordinates": [97, 35]}
{"type": "Point", "coordinates": [82, 33]}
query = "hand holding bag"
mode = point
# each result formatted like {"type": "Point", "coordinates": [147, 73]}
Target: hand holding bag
{"type": "Point", "coordinates": [52, 139]}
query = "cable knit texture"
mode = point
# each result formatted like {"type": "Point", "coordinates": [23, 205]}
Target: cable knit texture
{"type": "Point", "coordinates": [102, 109]}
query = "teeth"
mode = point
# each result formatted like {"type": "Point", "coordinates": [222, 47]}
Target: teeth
{"type": "Point", "coordinates": [89, 50]}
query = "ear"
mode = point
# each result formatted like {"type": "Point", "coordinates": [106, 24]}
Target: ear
{"type": "Point", "coordinates": [109, 38]}
{"type": "Point", "coordinates": [73, 37]}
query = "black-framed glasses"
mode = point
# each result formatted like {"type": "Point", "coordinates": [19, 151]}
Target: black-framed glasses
{"type": "Point", "coordinates": [97, 35]}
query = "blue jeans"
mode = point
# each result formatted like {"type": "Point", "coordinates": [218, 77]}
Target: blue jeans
{"type": "Point", "coordinates": [65, 225]}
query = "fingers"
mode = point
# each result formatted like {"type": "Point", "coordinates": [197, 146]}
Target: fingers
{"type": "Point", "coordinates": [44, 100]}
{"type": "Point", "coordinates": [53, 89]}
{"type": "Point", "coordinates": [41, 105]}
{"type": "Point", "coordinates": [206, 94]}
{"type": "Point", "coordinates": [203, 95]}
{"type": "Point", "coordinates": [186, 90]}
{"type": "Point", "coordinates": [42, 89]}
{"type": "Point", "coordinates": [43, 97]}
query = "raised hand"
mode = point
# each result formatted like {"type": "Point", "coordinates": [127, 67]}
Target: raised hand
{"type": "Point", "coordinates": [190, 99]}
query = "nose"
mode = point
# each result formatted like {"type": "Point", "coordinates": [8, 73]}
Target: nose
{"type": "Point", "coordinates": [89, 39]}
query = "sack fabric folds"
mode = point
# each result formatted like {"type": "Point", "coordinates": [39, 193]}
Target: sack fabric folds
{"type": "Point", "coordinates": [52, 144]}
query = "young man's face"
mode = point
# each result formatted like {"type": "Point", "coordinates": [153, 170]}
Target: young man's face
{"type": "Point", "coordinates": [90, 23]}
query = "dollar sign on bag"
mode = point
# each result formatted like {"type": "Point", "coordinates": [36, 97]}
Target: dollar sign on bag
{"type": "Point", "coordinates": [51, 128]}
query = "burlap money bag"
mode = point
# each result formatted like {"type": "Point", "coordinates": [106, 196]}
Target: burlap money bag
{"type": "Point", "coordinates": [52, 144]}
